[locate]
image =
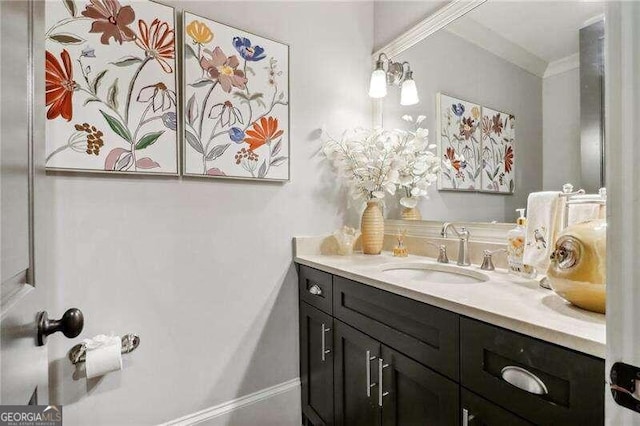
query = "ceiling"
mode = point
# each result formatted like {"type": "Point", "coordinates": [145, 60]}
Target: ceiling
{"type": "Point", "coordinates": [546, 29]}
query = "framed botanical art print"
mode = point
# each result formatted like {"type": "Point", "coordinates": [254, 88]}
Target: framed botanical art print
{"type": "Point", "coordinates": [111, 87]}
{"type": "Point", "coordinates": [236, 111]}
{"type": "Point", "coordinates": [498, 157]}
{"type": "Point", "coordinates": [459, 144]}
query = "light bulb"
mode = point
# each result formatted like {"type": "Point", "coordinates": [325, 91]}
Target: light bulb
{"type": "Point", "coordinates": [378, 84]}
{"type": "Point", "coordinates": [409, 92]}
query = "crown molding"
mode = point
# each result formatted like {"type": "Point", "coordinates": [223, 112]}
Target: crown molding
{"type": "Point", "coordinates": [481, 36]}
{"type": "Point", "coordinates": [432, 23]}
{"type": "Point", "coordinates": [562, 65]}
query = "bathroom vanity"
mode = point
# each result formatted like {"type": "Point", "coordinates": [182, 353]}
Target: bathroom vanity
{"type": "Point", "coordinates": [384, 349]}
{"type": "Point", "coordinates": [389, 341]}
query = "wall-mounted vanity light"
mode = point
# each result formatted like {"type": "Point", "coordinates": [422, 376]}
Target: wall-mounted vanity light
{"type": "Point", "coordinates": [395, 75]}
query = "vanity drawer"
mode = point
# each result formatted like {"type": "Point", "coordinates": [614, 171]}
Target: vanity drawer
{"type": "Point", "coordinates": [316, 288]}
{"type": "Point", "coordinates": [427, 334]}
{"type": "Point", "coordinates": [574, 382]}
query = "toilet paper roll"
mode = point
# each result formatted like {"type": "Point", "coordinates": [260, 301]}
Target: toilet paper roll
{"type": "Point", "coordinates": [104, 354]}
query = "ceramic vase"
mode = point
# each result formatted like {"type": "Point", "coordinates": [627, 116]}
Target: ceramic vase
{"type": "Point", "coordinates": [372, 228]}
{"type": "Point", "coordinates": [411, 213]}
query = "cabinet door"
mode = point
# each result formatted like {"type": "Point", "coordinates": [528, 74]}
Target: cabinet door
{"type": "Point", "coordinates": [413, 394]}
{"type": "Point", "coordinates": [316, 365]}
{"type": "Point", "coordinates": [355, 361]}
{"type": "Point", "coordinates": [477, 411]}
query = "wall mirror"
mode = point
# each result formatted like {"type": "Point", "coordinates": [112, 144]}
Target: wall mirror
{"type": "Point", "coordinates": [541, 63]}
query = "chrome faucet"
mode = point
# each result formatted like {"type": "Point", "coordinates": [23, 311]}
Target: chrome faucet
{"type": "Point", "coordinates": [463, 247]}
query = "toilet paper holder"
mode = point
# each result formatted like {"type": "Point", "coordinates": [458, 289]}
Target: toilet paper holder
{"type": "Point", "coordinates": [78, 353]}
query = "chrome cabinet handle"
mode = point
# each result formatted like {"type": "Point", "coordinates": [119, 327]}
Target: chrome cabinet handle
{"type": "Point", "coordinates": [324, 350]}
{"type": "Point", "coordinates": [466, 417]}
{"type": "Point", "coordinates": [368, 369]}
{"type": "Point", "coordinates": [315, 290]}
{"type": "Point", "coordinates": [381, 393]}
{"type": "Point", "coordinates": [523, 379]}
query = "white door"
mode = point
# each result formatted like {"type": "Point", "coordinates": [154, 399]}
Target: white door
{"type": "Point", "coordinates": [623, 198]}
{"type": "Point", "coordinates": [23, 204]}
{"type": "Point", "coordinates": [24, 372]}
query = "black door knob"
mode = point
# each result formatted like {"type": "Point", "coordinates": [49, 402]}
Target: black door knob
{"type": "Point", "coordinates": [70, 324]}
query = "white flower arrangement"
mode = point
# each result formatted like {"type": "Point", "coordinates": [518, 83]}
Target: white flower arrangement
{"type": "Point", "coordinates": [419, 164]}
{"type": "Point", "coordinates": [376, 162]}
{"type": "Point", "coordinates": [365, 159]}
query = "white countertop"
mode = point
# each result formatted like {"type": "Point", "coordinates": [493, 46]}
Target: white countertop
{"type": "Point", "coordinates": [510, 302]}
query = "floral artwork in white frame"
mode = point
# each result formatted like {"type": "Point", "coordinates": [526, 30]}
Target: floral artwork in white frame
{"type": "Point", "coordinates": [111, 87]}
{"type": "Point", "coordinates": [498, 157]}
{"type": "Point", "coordinates": [236, 95]}
{"type": "Point", "coordinates": [459, 144]}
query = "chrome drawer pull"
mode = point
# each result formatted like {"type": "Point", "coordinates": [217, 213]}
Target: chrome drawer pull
{"type": "Point", "coordinates": [466, 417]}
{"type": "Point", "coordinates": [524, 379]}
{"type": "Point", "coordinates": [381, 394]}
{"type": "Point", "coordinates": [324, 351]}
{"type": "Point", "coordinates": [369, 384]}
{"type": "Point", "coordinates": [315, 290]}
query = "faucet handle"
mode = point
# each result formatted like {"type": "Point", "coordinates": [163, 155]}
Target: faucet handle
{"type": "Point", "coordinates": [487, 260]}
{"type": "Point", "coordinates": [442, 252]}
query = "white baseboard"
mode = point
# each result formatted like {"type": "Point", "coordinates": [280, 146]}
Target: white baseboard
{"type": "Point", "coordinates": [217, 411]}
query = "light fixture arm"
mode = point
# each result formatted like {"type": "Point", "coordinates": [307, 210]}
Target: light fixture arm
{"type": "Point", "coordinates": [383, 57]}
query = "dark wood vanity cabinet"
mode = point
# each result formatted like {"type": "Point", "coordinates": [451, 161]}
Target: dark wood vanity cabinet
{"type": "Point", "coordinates": [316, 356]}
{"type": "Point", "coordinates": [373, 358]}
{"type": "Point", "coordinates": [376, 385]}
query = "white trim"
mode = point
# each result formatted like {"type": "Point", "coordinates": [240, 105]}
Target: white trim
{"type": "Point", "coordinates": [563, 65]}
{"type": "Point", "coordinates": [622, 107]}
{"type": "Point", "coordinates": [593, 20]}
{"type": "Point", "coordinates": [432, 23]}
{"type": "Point", "coordinates": [234, 404]}
{"type": "Point", "coordinates": [483, 37]}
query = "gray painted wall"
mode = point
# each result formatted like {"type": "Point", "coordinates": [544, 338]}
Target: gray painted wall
{"type": "Point", "coordinates": [446, 63]}
{"type": "Point", "coordinates": [561, 129]}
{"type": "Point", "coordinates": [201, 269]}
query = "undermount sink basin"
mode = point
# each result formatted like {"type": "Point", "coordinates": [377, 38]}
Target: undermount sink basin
{"type": "Point", "coordinates": [434, 273]}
